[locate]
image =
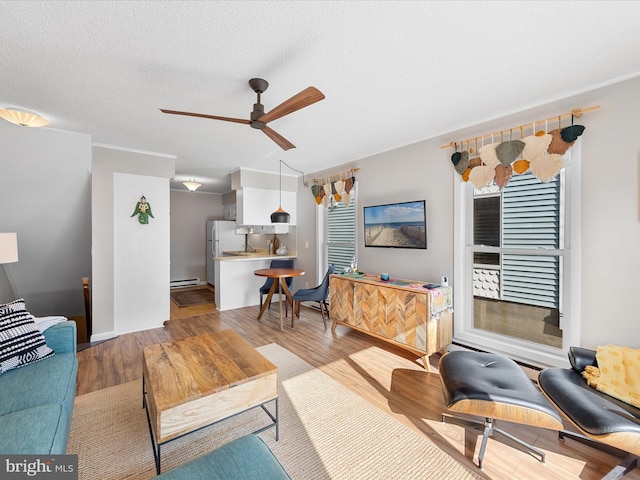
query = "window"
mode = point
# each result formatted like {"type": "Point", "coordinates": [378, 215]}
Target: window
{"type": "Point", "coordinates": [336, 234]}
{"type": "Point", "coordinates": [517, 293]}
{"type": "Point", "coordinates": [341, 234]}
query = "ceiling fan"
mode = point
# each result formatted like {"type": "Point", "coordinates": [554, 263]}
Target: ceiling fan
{"type": "Point", "coordinates": [259, 119]}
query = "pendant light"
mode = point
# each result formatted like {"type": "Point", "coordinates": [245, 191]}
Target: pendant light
{"type": "Point", "coordinates": [280, 216]}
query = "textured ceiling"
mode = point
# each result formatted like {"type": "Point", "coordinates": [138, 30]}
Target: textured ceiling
{"type": "Point", "coordinates": [393, 72]}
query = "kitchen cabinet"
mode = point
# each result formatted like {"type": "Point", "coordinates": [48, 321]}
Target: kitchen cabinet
{"type": "Point", "coordinates": [401, 312]}
{"type": "Point", "coordinates": [254, 206]}
{"type": "Point", "coordinates": [230, 211]}
{"type": "Point", "coordinates": [271, 229]}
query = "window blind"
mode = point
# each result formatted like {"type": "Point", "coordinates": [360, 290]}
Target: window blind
{"type": "Point", "coordinates": [531, 219]}
{"type": "Point", "coordinates": [341, 234]}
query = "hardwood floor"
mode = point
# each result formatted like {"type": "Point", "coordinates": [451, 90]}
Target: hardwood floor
{"type": "Point", "coordinates": [389, 378]}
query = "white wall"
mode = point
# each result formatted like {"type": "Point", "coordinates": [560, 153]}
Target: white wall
{"type": "Point", "coordinates": [405, 174]}
{"type": "Point", "coordinates": [141, 254]}
{"type": "Point", "coordinates": [611, 216]}
{"type": "Point", "coordinates": [189, 214]}
{"type": "Point", "coordinates": [610, 207]}
{"type": "Point", "coordinates": [45, 197]}
{"type": "Point", "coordinates": [6, 290]}
{"type": "Point", "coordinates": [107, 162]}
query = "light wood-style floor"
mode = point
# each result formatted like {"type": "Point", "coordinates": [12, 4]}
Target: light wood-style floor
{"type": "Point", "coordinates": [387, 377]}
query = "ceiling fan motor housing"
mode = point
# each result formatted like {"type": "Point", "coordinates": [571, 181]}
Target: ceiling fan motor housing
{"type": "Point", "coordinates": [258, 111]}
{"type": "Point", "coordinates": [258, 85]}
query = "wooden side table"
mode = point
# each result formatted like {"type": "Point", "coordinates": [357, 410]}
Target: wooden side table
{"type": "Point", "coordinates": [279, 276]}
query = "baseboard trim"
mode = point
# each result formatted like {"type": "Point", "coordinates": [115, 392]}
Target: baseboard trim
{"type": "Point", "coordinates": [186, 282]}
{"type": "Point", "coordinates": [83, 346]}
{"type": "Point", "coordinates": [98, 337]}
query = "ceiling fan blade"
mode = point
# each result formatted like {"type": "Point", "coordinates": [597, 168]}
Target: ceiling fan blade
{"type": "Point", "coordinates": [279, 139]}
{"type": "Point", "coordinates": [202, 115]}
{"type": "Point", "coordinates": [306, 97]}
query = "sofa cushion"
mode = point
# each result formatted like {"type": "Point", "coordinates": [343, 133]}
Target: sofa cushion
{"type": "Point", "coordinates": [62, 337]}
{"type": "Point", "coordinates": [21, 342]}
{"type": "Point", "coordinates": [52, 380]}
{"type": "Point", "coordinates": [39, 430]}
{"type": "Point", "coordinates": [246, 458]}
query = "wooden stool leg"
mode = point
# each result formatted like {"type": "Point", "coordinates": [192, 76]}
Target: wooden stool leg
{"type": "Point", "coordinates": [293, 312]}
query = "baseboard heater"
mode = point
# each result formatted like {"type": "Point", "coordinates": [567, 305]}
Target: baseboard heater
{"type": "Point", "coordinates": [187, 282]}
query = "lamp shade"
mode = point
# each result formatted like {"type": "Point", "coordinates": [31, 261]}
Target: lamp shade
{"type": "Point", "coordinates": [8, 247]}
{"type": "Point", "coordinates": [280, 216]}
{"type": "Point", "coordinates": [24, 119]}
{"type": "Point", "coordinates": [192, 186]}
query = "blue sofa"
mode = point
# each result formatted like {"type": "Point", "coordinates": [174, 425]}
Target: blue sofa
{"type": "Point", "coordinates": [36, 401]}
{"type": "Point", "coordinates": [246, 458]}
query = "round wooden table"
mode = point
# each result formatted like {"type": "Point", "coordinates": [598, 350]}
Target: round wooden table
{"type": "Point", "coordinates": [279, 276]}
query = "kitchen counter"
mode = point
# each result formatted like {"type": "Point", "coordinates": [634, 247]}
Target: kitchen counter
{"type": "Point", "coordinates": [242, 255]}
{"type": "Point", "coordinates": [236, 284]}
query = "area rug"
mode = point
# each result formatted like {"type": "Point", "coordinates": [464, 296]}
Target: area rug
{"type": "Point", "coordinates": [326, 432]}
{"type": "Point", "coordinates": [189, 298]}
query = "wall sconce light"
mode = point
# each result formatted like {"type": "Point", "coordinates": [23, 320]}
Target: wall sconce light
{"type": "Point", "coordinates": [24, 119]}
{"type": "Point", "coordinates": [192, 185]}
{"type": "Point", "coordinates": [280, 216]}
{"type": "Point", "coordinates": [8, 247]}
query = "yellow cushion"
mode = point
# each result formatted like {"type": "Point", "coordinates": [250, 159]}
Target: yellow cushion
{"type": "Point", "coordinates": [617, 374]}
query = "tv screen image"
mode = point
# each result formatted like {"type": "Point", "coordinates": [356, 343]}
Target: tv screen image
{"type": "Point", "coordinates": [396, 225]}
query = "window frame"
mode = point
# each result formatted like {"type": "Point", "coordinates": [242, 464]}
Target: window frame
{"type": "Point", "coordinates": [526, 351]}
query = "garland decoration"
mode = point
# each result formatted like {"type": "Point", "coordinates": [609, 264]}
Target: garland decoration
{"type": "Point", "coordinates": [331, 190]}
{"type": "Point", "coordinates": [495, 162]}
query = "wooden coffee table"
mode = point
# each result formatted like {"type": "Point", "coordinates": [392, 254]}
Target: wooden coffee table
{"type": "Point", "coordinates": [195, 382]}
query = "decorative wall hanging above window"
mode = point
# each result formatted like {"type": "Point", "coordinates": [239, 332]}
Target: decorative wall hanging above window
{"type": "Point", "coordinates": [143, 210]}
{"type": "Point", "coordinates": [541, 152]}
{"type": "Point", "coordinates": [329, 191]}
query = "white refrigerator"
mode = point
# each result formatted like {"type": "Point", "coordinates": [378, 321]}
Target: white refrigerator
{"type": "Point", "coordinates": [221, 237]}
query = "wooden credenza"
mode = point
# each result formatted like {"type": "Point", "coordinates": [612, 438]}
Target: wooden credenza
{"type": "Point", "coordinates": [399, 311]}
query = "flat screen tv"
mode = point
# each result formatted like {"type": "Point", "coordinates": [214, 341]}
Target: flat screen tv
{"type": "Point", "coordinates": [396, 225]}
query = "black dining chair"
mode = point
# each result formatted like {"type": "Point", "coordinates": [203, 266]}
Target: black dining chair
{"type": "Point", "coordinates": [264, 289]}
{"type": "Point", "coordinates": [318, 294]}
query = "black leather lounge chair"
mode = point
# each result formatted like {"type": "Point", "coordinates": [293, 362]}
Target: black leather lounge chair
{"type": "Point", "coordinates": [596, 415]}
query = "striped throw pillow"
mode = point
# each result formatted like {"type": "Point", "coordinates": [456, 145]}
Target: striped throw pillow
{"type": "Point", "coordinates": [21, 343]}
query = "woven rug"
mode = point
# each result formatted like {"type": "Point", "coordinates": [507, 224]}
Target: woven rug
{"type": "Point", "coordinates": [189, 298]}
{"type": "Point", "coordinates": [326, 432]}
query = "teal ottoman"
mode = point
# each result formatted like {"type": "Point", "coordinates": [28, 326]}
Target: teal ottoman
{"type": "Point", "coordinates": [246, 458]}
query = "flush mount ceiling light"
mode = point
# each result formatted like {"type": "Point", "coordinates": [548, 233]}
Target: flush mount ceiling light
{"type": "Point", "coordinates": [24, 119]}
{"type": "Point", "coordinates": [192, 185]}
